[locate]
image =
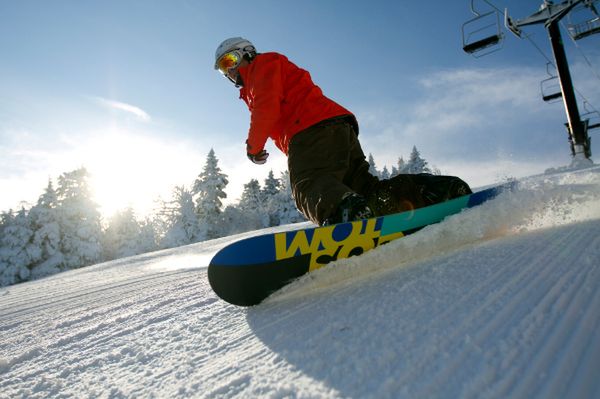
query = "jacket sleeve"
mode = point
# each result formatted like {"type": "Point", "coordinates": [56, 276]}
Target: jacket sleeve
{"type": "Point", "coordinates": [267, 91]}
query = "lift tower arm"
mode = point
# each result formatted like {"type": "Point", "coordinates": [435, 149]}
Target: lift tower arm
{"type": "Point", "coordinates": [546, 15]}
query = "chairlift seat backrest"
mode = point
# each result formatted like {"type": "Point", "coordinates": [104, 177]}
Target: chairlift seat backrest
{"type": "Point", "coordinates": [551, 90]}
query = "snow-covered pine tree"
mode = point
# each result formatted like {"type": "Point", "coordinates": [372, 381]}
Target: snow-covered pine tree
{"type": "Point", "coordinates": [160, 219]}
{"type": "Point", "coordinates": [6, 218]}
{"type": "Point", "coordinates": [385, 173]}
{"type": "Point", "coordinates": [250, 212]}
{"type": "Point", "coordinates": [252, 206]}
{"type": "Point", "coordinates": [416, 164]}
{"type": "Point", "coordinates": [251, 196]}
{"type": "Point", "coordinates": [147, 240]}
{"type": "Point", "coordinates": [272, 185]}
{"type": "Point", "coordinates": [46, 224]}
{"type": "Point", "coordinates": [283, 202]}
{"type": "Point", "coordinates": [208, 191]}
{"type": "Point", "coordinates": [122, 236]}
{"type": "Point", "coordinates": [372, 168]}
{"type": "Point", "coordinates": [17, 251]}
{"type": "Point", "coordinates": [234, 221]}
{"type": "Point", "coordinates": [269, 193]}
{"type": "Point", "coordinates": [400, 168]}
{"type": "Point", "coordinates": [79, 220]}
{"type": "Point", "coordinates": [182, 223]}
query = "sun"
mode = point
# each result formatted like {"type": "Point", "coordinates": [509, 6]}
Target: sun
{"type": "Point", "coordinates": [133, 170]}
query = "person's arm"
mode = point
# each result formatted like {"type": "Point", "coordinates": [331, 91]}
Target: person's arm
{"type": "Point", "coordinates": [267, 93]}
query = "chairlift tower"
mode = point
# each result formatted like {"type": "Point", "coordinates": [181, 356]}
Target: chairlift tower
{"type": "Point", "coordinates": [550, 15]}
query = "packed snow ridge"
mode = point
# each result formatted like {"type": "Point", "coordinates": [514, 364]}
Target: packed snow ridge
{"type": "Point", "coordinates": [501, 300]}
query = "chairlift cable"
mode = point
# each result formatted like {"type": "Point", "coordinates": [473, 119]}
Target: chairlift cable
{"type": "Point", "coordinates": [538, 48]}
{"type": "Point", "coordinates": [489, 3]}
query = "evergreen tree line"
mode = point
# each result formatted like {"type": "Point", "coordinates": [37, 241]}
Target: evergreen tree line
{"type": "Point", "coordinates": [415, 165]}
{"type": "Point", "coordinates": [64, 229]}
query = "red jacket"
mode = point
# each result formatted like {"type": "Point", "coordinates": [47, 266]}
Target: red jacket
{"type": "Point", "coordinates": [283, 101]}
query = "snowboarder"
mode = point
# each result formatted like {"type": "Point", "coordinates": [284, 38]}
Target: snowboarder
{"type": "Point", "coordinates": [328, 170]}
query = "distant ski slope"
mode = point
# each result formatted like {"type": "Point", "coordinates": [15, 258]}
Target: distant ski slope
{"type": "Point", "coordinates": [500, 301]}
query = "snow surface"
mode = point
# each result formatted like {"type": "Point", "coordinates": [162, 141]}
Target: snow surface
{"type": "Point", "coordinates": [502, 300]}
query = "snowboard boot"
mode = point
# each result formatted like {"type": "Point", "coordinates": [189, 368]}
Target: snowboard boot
{"type": "Point", "coordinates": [352, 207]}
{"type": "Point", "coordinates": [395, 195]}
{"type": "Point", "coordinates": [436, 189]}
{"type": "Point", "coordinates": [407, 192]}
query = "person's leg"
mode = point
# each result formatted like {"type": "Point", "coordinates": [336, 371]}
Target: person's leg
{"type": "Point", "coordinates": [324, 165]}
{"type": "Point", "coordinates": [358, 177]}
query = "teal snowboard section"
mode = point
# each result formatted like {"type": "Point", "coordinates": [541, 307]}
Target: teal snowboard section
{"type": "Point", "coordinates": [247, 271]}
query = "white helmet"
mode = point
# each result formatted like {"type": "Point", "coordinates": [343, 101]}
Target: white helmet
{"type": "Point", "coordinates": [235, 43]}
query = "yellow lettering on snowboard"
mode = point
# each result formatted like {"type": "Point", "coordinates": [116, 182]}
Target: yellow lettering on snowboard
{"type": "Point", "coordinates": [323, 248]}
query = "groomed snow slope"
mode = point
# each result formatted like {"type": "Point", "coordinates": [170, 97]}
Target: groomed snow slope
{"type": "Point", "coordinates": [499, 301]}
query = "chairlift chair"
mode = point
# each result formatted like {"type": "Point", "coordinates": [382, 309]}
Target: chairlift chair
{"type": "Point", "coordinates": [590, 116]}
{"type": "Point", "coordinates": [584, 29]}
{"type": "Point", "coordinates": [587, 27]}
{"type": "Point", "coordinates": [482, 34]}
{"type": "Point", "coordinates": [594, 125]}
{"type": "Point", "coordinates": [550, 87]}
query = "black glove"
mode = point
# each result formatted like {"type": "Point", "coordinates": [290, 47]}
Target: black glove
{"type": "Point", "coordinates": [259, 158]}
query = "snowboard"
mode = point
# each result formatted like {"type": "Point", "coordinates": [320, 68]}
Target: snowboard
{"type": "Point", "coordinates": [247, 271]}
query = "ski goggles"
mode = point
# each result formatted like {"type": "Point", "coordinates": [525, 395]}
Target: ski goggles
{"type": "Point", "coordinates": [228, 61]}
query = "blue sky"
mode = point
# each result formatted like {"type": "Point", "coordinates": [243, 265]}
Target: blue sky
{"type": "Point", "coordinates": [127, 89]}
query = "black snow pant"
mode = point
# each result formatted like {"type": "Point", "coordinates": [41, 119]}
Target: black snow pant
{"type": "Point", "coordinates": [325, 162]}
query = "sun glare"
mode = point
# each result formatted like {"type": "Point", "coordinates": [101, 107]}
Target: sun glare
{"type": "Point", "coordinates": [130, 170]}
